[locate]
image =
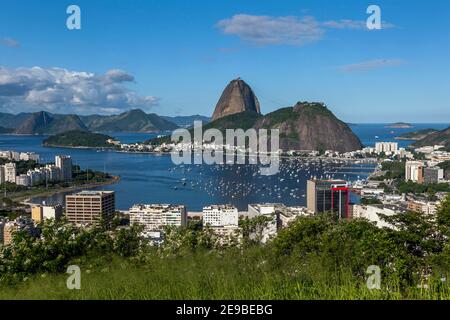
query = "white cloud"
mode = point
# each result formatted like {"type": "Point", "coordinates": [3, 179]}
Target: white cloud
{"type": "Point", "coordinates": [10, 42]}
{"type": "Point", "coordinates": [61, 90]}
{"type": "Point", "coordinates": [290, 30]}
{"type": "Point", "coordinates": [264, 30]}
{"type": "Point", "coordinates": [352, 24]}
{"type": "Point", "coordinates": [370, 65]}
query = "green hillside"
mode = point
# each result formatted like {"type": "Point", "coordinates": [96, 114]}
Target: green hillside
{"type": "Point", "coordinates": [416, 135]}
{"type": "Point", "coordinates": [436, 138]}
{"type": "Point", "coordinates": [79, 139]}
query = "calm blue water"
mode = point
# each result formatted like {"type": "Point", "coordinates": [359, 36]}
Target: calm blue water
{"type": "Point", "coordinates": [149, 178]}
{"type": "Point", "coordinates": [367, 132]}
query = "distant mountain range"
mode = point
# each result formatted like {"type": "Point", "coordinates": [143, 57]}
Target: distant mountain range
{"type": "Point", "coordinates": [187, 121]}
{"type": "Point", "coordinates": [131, 121]}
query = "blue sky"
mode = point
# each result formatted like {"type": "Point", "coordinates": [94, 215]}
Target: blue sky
{"type": "Point", "coordinates": [175, 57]}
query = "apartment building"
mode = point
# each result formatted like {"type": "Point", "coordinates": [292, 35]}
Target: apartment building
{"type": "Point", "coordinates": [386, 147]}
{"type": "Point", "coordinates": [414, 171]}
{"type": "Point", "coordinates": [220, 216]}
{"type": "Point", "coordinates": [423, 206]}
{"type": "Point", "coordinates": [10, 172]}
{"type": "Point", "coordinates": [40, 213]}
{"type": "Point", "coordinates": [153, 217]}
{"type": "Point", "coordinates": [64, 163]}
{"type": "Point", "coordinates": [373, 213]}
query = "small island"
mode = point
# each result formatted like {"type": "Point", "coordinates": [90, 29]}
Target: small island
{"type": "Point", "coordinates": [416, 135]}
{"type": "Point", "coordinates": [400, 125]}
{"type": "Point", "coordinates": [80, 139]}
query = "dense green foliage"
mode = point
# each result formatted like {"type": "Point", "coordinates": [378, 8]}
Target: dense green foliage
{"type": "Point", "coordinates": [367, 201]}
{"type": "Point", "coordinates": [58, 244]}
{"type": "Point", "coordinates": [279, 116]}
{"type": "Point", "coordinates": [244, 120]}
{"type": "Point", "coordinates": [314, 258]}
{"type": "Point", "coordinates": [88, 176]}
{"type": "Point", "coordinates": [444, 165]}
{"type": "Point", "coordinates": [416, 188]}
{"type": "Point", "coordinates": [22, 166]}
{"type": "Point", "coordinates": [394, 170]}
{"type": "Point", "coordinates": [79, 139]}
{"type": "Point", "coordinates": [11, 187]}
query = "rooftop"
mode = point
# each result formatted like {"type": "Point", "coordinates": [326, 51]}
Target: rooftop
{"type": "Point", "coordinates": [93, 193]}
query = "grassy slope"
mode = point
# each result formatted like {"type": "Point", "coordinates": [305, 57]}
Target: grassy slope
{"type": "Point", "coordinates": [205, 276]}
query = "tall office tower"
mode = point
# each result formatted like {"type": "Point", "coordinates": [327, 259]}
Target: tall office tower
{"type": "Point", "coordinates": [10, 172]}
{"type": "Point", "coordinates": [88, 207]}
{"type": "Point", "coordinates": [64, 163]}
{"type": "Point", "coordinates": [414, 171]}
{"type": "Point", "coordinates": [328, 196]}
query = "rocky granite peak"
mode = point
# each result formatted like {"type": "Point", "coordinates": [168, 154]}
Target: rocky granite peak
{"type": "Point", "coordinates": [236, 98]}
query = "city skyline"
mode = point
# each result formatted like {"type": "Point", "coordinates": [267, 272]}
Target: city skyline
{"type": "Point", "coordinates": [175, 58]}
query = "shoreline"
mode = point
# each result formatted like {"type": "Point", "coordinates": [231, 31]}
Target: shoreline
{"type": "Point", "coordinates": [169, 152]}
{"type": "Point", "coordinates": [76, 147]}
{"type": "Point", "coordinates": [48, 193]}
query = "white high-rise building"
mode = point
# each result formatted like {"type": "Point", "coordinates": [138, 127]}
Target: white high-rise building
{"type": "Point", "coordinates": [414, 171]}
{"type": "Point", "coordinates": [10, 172]}
{"type": "Point", "coordinates": [386, 147]}
{"type": "Point", "coordinates": [53, 173]}
{"type": "Point", "coordinates": [153, 217]}
{"type": "Point", "coordinates": [220, 216]}
{"type": "Point", "coordinates": [64, 163]}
